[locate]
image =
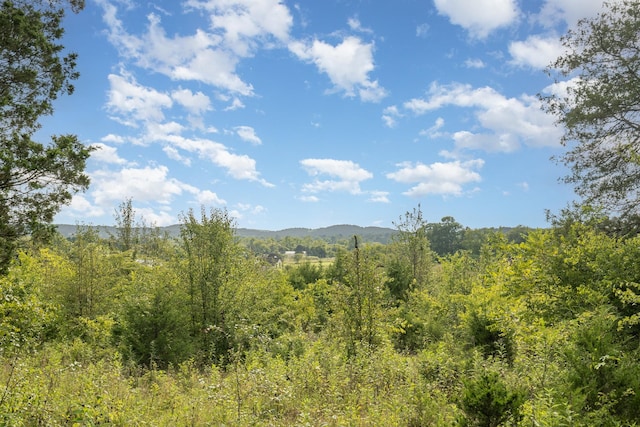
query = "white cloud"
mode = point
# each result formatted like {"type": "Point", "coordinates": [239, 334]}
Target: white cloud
{"type": "Point", "coordinates": [507, 122]}
{"type": "Point", "coordinates": [474, 63]}
{"type": "Point", "coordinates": [355, 25]}
{"type": "Point", "coordinates": [116, 139]}
{"type": "Point", "coordinates": [310, 199]}
{"type": "Point", "coordinates": [379, 196]}
{"type": "Point", "coordinates": [201, 57]}
{"type": "Point", "coordinates": [347, 173]}
{"type": "Point", "coordinates": [209, 198]}
{"type": "Point", "coordinates": [479, 17]}
{"type": "Point", "coordinates": [390, 116]}
{"type": "Point", "coordinates": [106, 154]}
{"type": "Point", "coordinates": [433, 131]}
{"type": "Point", "coordinates": [131, 102]}
{"type": "Point", "coordinates": [154, 217]}
{"type": "Point", "coordinates": [247, 133]}
{"type": "Point", "coordinates": [147, 184]}
{"type": "Point", "coordinates": [174, 154]}
{"type": "Point", "coordinates": [236, 104]}
{"type": "Point", "coordinates": [196, 103]}
{"type": "Point", "coordinates": [535, 51]}
{"type": "Point", "coordinates": [160, 132]}
{"type": "Point", "coordinates": [561, 89]}
{"type": "Point", "coordinates": [238, 166]}
{"type": "Point", "coordinates": [437, 178]}
{"type": "Point", "coordinates": [347, 64]}
{"type": "Point", "coordinates": [80, 207]}
{"type": "Point", "coordinates": [570, 11]}
{"type": "Point", "coordinates": [245, 22]}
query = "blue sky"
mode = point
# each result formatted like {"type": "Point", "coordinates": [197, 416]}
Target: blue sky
{"type": "Point", "coordinates": [314, 113]}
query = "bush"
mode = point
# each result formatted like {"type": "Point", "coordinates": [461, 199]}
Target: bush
{"type": "Point", "coordinates": [487, 402]}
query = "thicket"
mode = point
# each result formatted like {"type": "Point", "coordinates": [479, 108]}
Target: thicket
{"type": "Point", "coordinates": [143, 329]}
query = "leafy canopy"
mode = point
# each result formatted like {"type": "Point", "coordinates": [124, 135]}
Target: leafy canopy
{"type": "Point", "coordinates": [35, 179]}
{"type": "Point", "coordinates": [600, 109]}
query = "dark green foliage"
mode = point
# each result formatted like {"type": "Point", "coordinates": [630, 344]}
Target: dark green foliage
{"type": "Point", "coordinates": [155, 329]}
{"type": "Point", "coordinates": [399, 279]}
{"type": "Point", "coordinates": [35, 179]}
{"type": "Point", "coordinates": [300, 275]}
{"type": "Point", "coordinates": [411, 248]}
{"type": "Point", "coordinates": [604, 376]}
{"type": "Point", "coordinates": [445, 237]}
{"type": "Point", "coordinates": [210, 253]}
{"type": "Point", "coordinates": [412, 333]}
{"type": "Point", "coordinates": [487, 336]}
{"type": "Point", "coordinates": [600, 111]}
{"type": "Point", "coordinates": [487, 402]}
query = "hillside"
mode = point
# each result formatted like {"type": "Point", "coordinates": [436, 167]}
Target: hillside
{"type": "Point", "coordinates": [332, 233]}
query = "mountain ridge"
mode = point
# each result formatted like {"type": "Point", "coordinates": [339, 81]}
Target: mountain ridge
{"type": "Point", "coordinates": [333, 231]}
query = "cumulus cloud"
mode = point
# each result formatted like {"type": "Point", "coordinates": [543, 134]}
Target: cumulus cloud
{"type": "Point", "coordinates": [535, 51]}
{"type": "Point", "coordinates": [135, 105]}
{"type": "Point", "coordinates": [146, 184]}
{"type": "Point", "coordinates": [130, 102]}
{"type": "Point", "coordinates": [247, 133]}
{"type": "Point", "coordinates": [116, 139]}
{"type": "Point", "coordinates": [379, 196]}
{"type": "Point", "coordinates": [246, 23]}
{"type": "Point", "coordinates": [209, 198]}
{"type": "Point", "coordinates": [347, 65]}
{"type": "Point", "coordinates": [152, 186]}
{"type": "Point", "coordinates": [196, 103]}
{"type": "Point", "coordinates": [506, 122]}
{"type": "Point", "coordinates": [479, 17]}
{"type": "Point", "coordinates": [80, 207]}
{"type": "Point", "coordinates": [209, 58]}
{"type": "Point", "coordinates": [347, 175]}
{"type": "Point", "coordinates": [438, 178]}
{"type": "Point", "coordinates": [155, 217]}
{"type": "Point", "coordinates": [238, 166]}
{"type": "Point", "coordinates": [106, 154]}
{"type": "Point", "coordinates": [570, 11]}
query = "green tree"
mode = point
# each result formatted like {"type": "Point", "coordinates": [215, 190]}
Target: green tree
{"type": "Point", "coordinates": [446, 236]}
{"type": "Point", "coordinates": [126, 231]}
{"type": "Point", "coordinates": [359, 302]}
{"type": "Point", "coordinates": [209, 254]}
{"type": "Point", "coordinates": [489, 403]}
{"type": "Point", "coordinates": [35, 179]}
{"type": "Point", "coordinates": [599, 112]}
{"type": "Point", "coordinates": [410, 260]}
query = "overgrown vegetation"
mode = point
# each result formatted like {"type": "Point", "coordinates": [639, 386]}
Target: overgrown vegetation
{"type": "Point", "coordinates": [439, 326]}
{"type": "Point", "coordinates": [147, 329]}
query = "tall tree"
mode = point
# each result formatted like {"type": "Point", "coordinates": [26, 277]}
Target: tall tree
{"type": "Point", "coordinates": [600, 111]}
{"type": "Point", "coordinates": [446, 236]}
{"type": "Point", "coordinates": [35, 179]}
{"type": "Point", "coordinates": [210, 249]}
{"type": "Point", "coordinates": [411, 254]}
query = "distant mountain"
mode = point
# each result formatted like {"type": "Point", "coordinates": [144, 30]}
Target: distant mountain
{"type": "Point", "coordinates": [332, 233]}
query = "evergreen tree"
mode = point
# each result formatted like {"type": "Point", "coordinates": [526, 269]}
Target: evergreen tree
{"type": "Point", "coordinates": [35, 179]}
